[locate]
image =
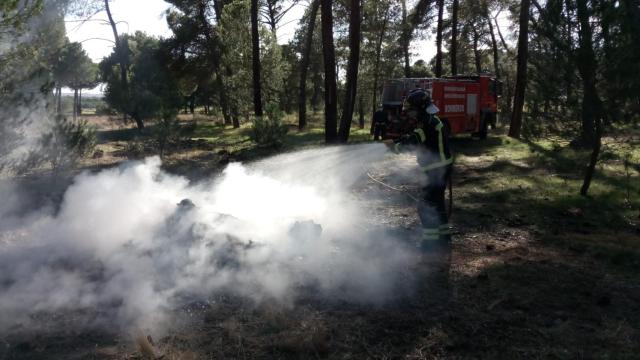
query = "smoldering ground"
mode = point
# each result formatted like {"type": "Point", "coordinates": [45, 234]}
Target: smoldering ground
{"type": "Point", "coordinates": [125, 246]}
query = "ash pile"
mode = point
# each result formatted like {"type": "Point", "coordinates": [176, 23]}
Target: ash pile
{"type": "Point", "coordinates": [126, 248]}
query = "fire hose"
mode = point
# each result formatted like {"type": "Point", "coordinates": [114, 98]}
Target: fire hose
{"type": "Point", "coordinates": [406, 192]}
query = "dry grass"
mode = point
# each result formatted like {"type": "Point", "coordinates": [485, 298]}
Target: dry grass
{"type": "Point", "coordinates": [537, 272]}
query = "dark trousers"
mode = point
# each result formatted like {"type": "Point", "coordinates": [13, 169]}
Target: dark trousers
{"type": "Point", "coordinates": [436, 241]}
{"type": "Point", "coordinates": [433, 212]}
{"type": "Point", "coordinates": [379, 131]}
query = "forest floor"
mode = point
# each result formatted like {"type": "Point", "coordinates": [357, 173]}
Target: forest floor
{"type": "Point", "coordinates": [537, 271]}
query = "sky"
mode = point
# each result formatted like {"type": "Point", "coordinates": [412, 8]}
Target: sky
{"type": "Point", "coordinates": [149, 16]}
{"type": "Point", "coordinates": [143, 15]}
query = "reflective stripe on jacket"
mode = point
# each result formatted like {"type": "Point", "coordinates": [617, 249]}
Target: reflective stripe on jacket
{"type": "Point", "coordinates": [434, 137]}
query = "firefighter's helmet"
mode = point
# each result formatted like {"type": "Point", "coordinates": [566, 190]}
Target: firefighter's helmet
{"type": "Point", "coordinates": [419, 98]}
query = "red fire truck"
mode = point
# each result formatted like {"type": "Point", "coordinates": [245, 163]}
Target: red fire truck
{"type": "Point", "coordinates": [468, 104]}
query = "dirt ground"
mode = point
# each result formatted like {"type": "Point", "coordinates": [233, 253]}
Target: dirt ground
{"type": "Point", "coordinates": [512, 294]}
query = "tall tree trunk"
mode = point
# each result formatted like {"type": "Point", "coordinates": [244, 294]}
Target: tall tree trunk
{"type": "Point", "coordinates": [59, 99]}
{"type": "Point", "coordinates": [272, 14]}
{"type": "Point", "coordinates": [361, 112]}
{"type": "Point", "coordinates": [122, 60]}
{"type": "Point", "coordinates": [224, 105]}
{"type": "Point", "coordinates": [612, 104]}
{"type": "Point", "coordinates": [75, 104]}
{"type": "Point", "coordinates": [406, 39]}
{"type": "Point", "coordinates": [570, 67]}
{"type": "Point", "coordinates": [304, 65]}
{"type": "Point", "coordinates": [409, 23]}
{"type": "Point", "coordinates": [80, 102]}
{"type": "Point", "coordinates": [504, 43]}
{"type": "Point", "coordinates": [224, 100]}
{"type": "Point", "coordinates": [521, 77]}
{"type": "Point", "coordinates": [328, 51]}
{"type": "Point", "coordinates": [494, 44]}
{"type": "Point", "coordinates": [476, 51]}
{"type": "Point", "coordinates": [317, 86]}
{"type": "Point", "coordinates": [352, 72]}
{"type": "Point", "coordinates": [235, 116]}
{"type": "Point", "coordinates": [593, 159]}
{"type": "Point", "coordinates": [438, 69]}
{"type": "Point", "coordinates": [587, 67]}
{"type": "Point", "coordinates": [454, 38]}
{"type": "Point", "coordinates": [218, 6]}
{"type": "Point", "coordinates": [592, 107]}
{"type": "Point", "coordinates": [255, 42]}
{"type": "Point", "coordinates": [376, 66]}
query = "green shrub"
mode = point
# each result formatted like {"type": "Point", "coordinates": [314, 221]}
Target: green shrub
{"type": "Point", "coordinates": [166, 131]}
{"type": "Point", "coordinates": [134, 149]}
{"type": "Point", "coordinates": [268, 131]}
{"type": "Point", "coordinates": [67, 143]}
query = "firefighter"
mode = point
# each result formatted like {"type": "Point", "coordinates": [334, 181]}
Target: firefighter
{"type": "Point", "coordinates": [380, 119]}
{"type": "Point", "coordinates": [431, 140]}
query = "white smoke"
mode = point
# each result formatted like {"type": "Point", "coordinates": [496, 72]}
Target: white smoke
{"type": "Point", "coordinates": [27, 54]}
{"type": "Point", "coordinates": [120, 248]}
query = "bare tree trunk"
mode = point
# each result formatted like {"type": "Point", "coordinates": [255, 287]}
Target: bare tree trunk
{"type": "Point", "coordinates": [255, 41]}
{"type": "Point", "coordinates": [328, 51]}
{"type": "Point", "coordinates": [352, 72]}
{"type": "Point", "coordinates": [308, 43]}
{"type": "Point", "coordinates": [593, 159]}
{"type": "Point", "coordinates": [317, 87]}
{"type": "Point", "coordinates": [406, 39]}
{"type": "Point", "coordinates": [376, 66]}
{"type": "Point", "coordinates": [272, 21]}
{"type": "Point", "coordinates": [508, 96]}
{"type": "Point", "coordinates": [218, 6]}
{"type": "Point", "coordinates": [587, 68]}
{"type": "Point", "coordinates": [476, 51]}
{"type": "Point", "coordinates": [235, 116]}
{"type": "Point", "coordinates": [80, 102]}
{"type": "Point", "coordinates": [570, 69]}
{"type": "Point", "coordinates": [122, 60]}
{"type": "Point", "coordinates": [409, 23]}
{"type": "Point", "coordinates": [454, 38]}
{"type": "Point", "coordinates": [521, 78]}
{"type": "Point", "coordinates": [361, 112]}
{"type": "Point", "coordinates": [504, 43]}
{"type": "Point", "coordinates": [224, 100]}
{"type": "Point", "coordinates": [438, 69]}
{"type": "Point", "coordinates": [592, 107]}
{"type": "Point", "coordinates": [59, 99]}
{"type": "Point", "coordinates": [75, 104]}
{"type": "Point", "coordinates": [494, 44]}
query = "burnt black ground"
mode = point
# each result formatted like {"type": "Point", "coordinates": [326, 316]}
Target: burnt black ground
{"type": "Point", "coordinates": [512, 294]}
